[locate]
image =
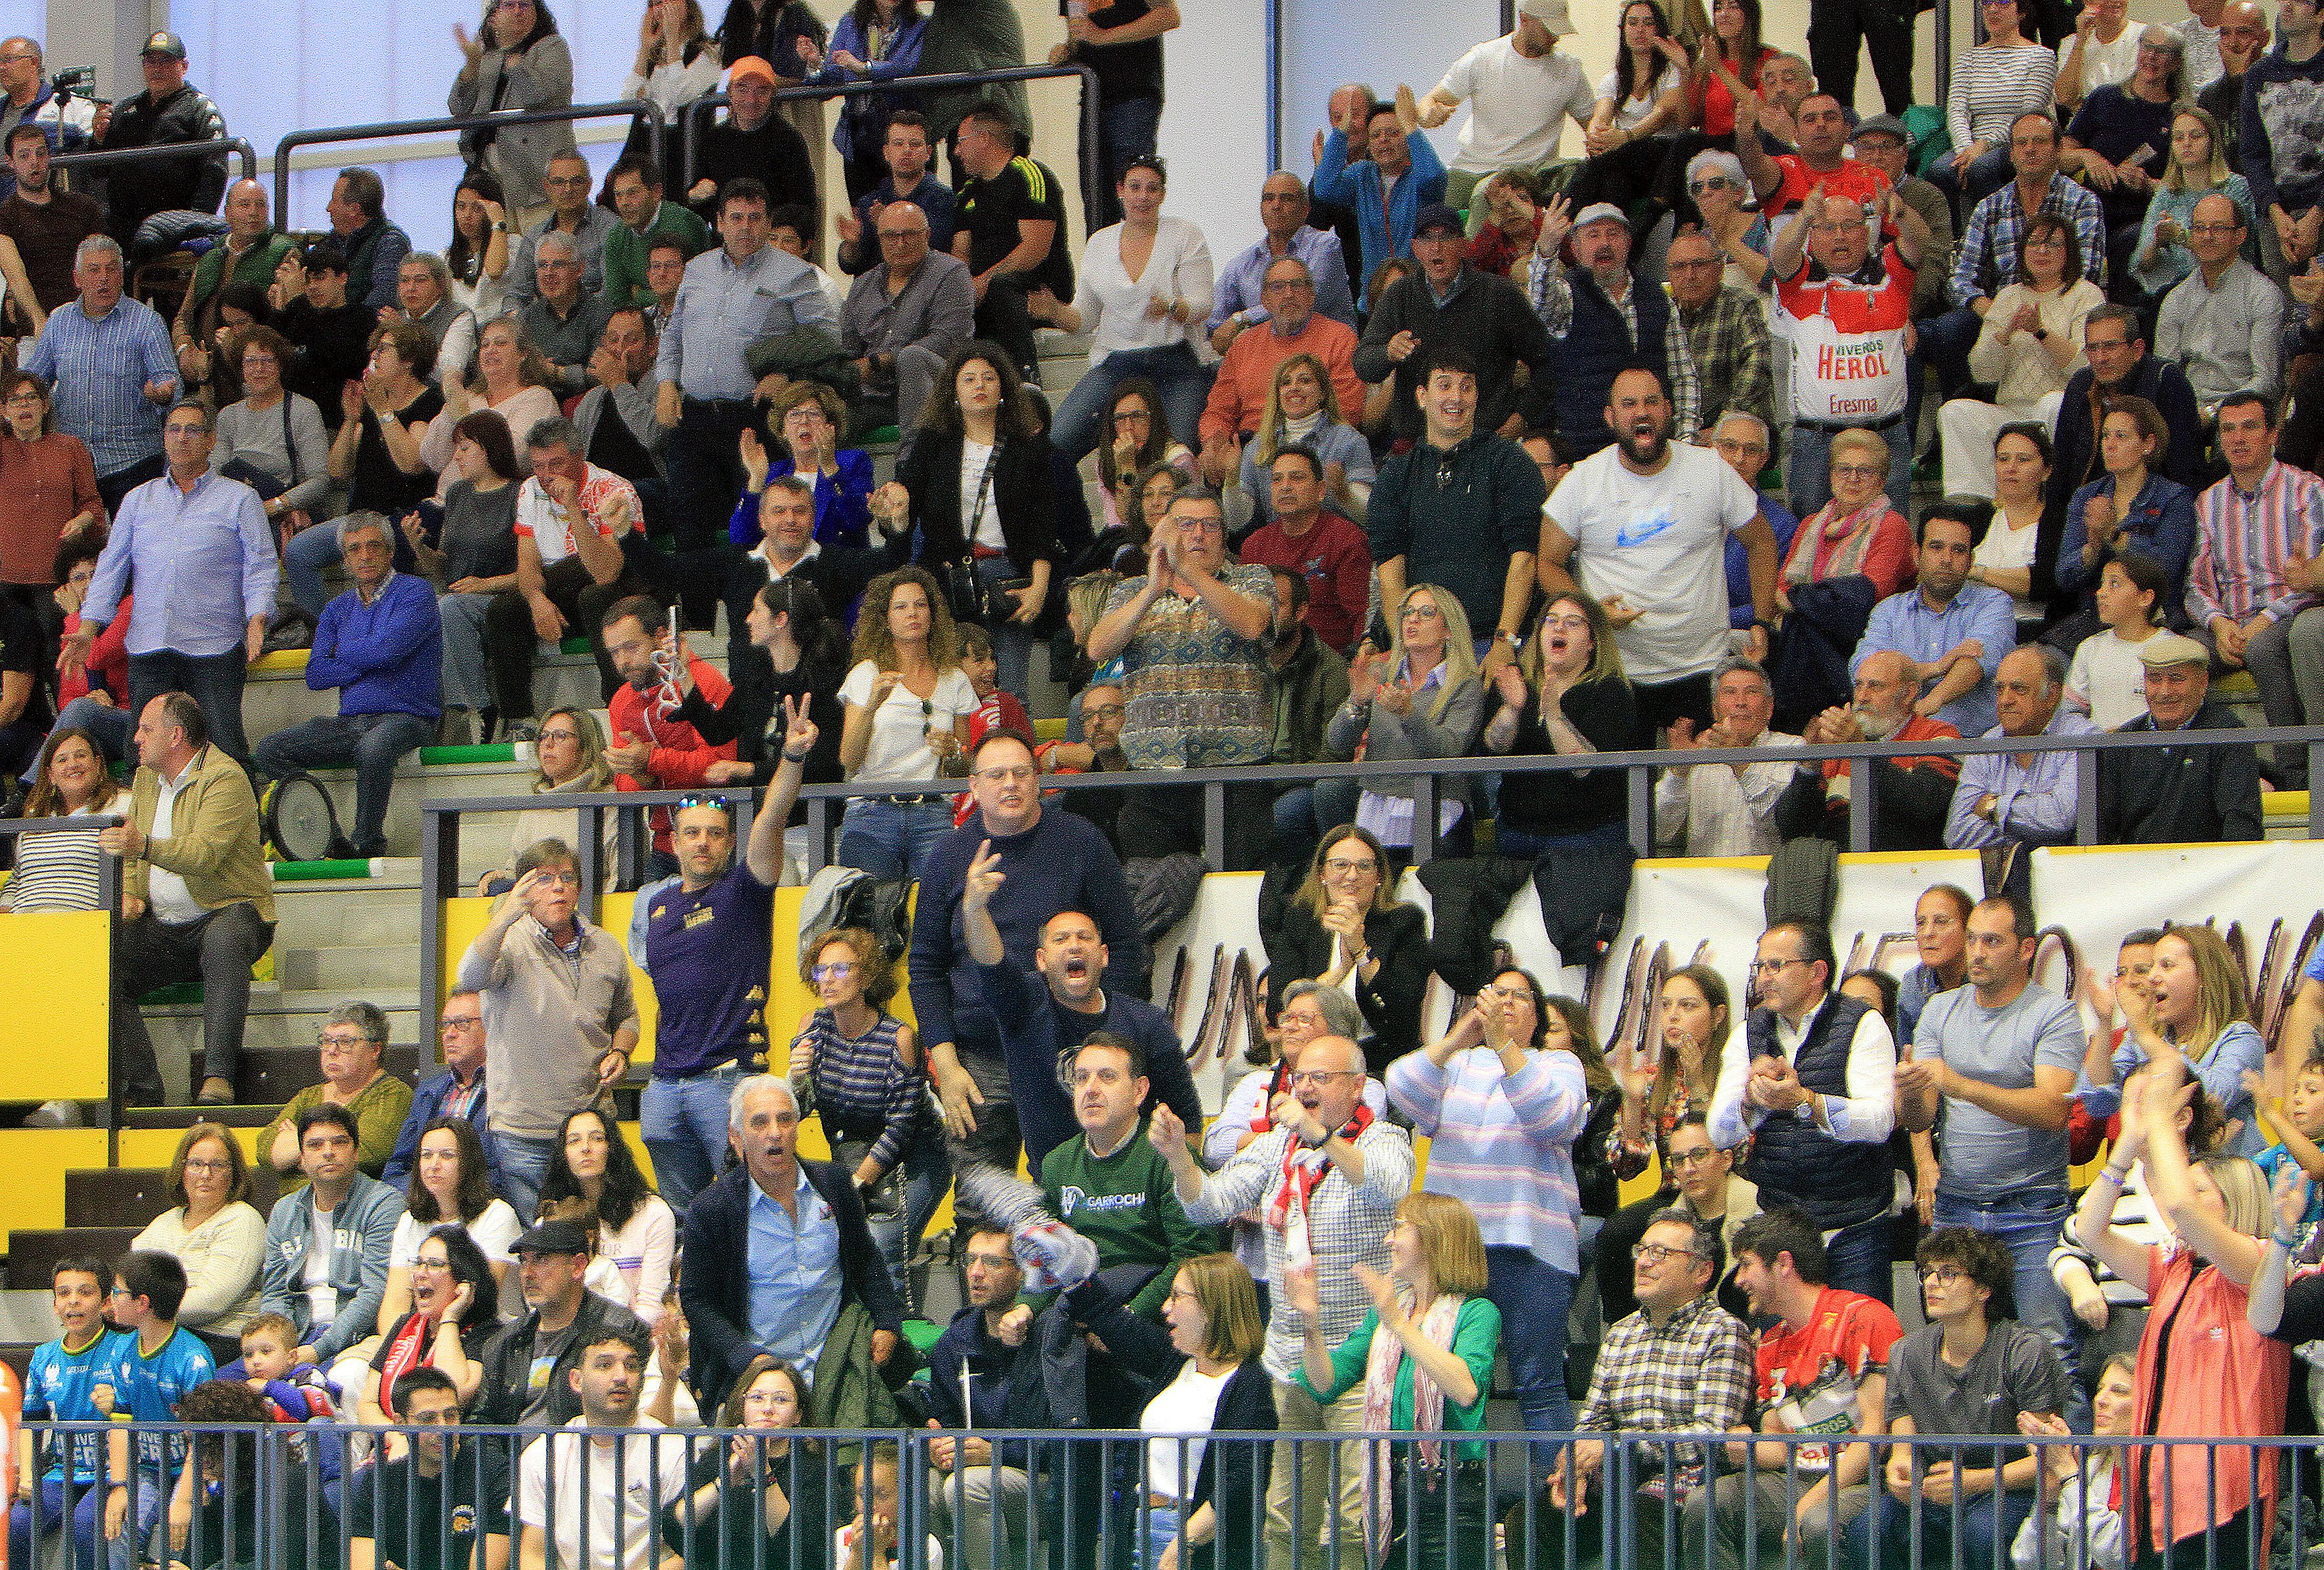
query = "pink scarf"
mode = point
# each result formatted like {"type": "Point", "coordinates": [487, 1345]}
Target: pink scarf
{"type": "Point", "coordinates": [1437, 1327]}
{"type": "Point", "coordinates": [1854, 531]}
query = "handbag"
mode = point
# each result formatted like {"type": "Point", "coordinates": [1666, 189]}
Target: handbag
{"type": "Point", "coordinates": [268, 487]}
{"type": "Point", "coordinates": [965, 592]}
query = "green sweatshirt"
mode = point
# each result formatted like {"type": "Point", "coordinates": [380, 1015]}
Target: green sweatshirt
{"type": "Point", "coordinates": [1127, 1205]}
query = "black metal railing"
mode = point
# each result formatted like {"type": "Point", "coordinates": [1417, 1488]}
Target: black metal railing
{"type": "Point", "coordinates": [116, 155]}
{"type": "Point", "coordinates": [389, 130]}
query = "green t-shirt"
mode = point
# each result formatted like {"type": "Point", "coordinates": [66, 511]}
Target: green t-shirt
{"type": "Point", "coordinates": [623, 258]}
{"type": "Point", "coordinates": [1127, 1205]}
{"type": "Point", "coordinates": [1475, 1333]}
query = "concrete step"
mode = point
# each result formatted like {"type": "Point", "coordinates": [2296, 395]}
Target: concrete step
{"type": "Point", "coordinates": [283, 1019]}
{"type": "Point", "coordinates": [343, 969]}
{"type": "Point", "coordinates": [383, 912]}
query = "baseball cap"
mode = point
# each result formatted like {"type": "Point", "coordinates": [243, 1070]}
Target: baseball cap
{"type": "Point", "coordinates": [1598, 212]}
{"type": "Point", "coordinates": [750, 68]}
{"type": "Point", "coordinates": [1436, 216]}
{"type": "Point", "coordinates": [1550, 14]}
{"type": "Point", "coordinates": [553, 1237]}
{"type": "Point", "coordinates": [168, 45]}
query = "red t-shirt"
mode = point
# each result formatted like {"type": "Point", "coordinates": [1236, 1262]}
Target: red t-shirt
{"type": "Point", "coordinates": [1714, 101]}
{"type": "Point", "coordinates": [1809, 1379]}
{"type": "Point", "coordinates": [1851, 179]}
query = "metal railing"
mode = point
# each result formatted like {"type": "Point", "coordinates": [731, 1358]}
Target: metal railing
{"type": "Point", "coordinates": [286, 1495]}
{"type": "Point", "coordinates": [388, 130]}
{"type": "Point", "coordinates": [108, 867]}
{"type": "Point", "coordinates": [236, 144]}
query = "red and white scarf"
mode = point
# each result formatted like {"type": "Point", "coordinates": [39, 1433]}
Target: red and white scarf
{"type": "Point", "coordinates": [1303, 1167]}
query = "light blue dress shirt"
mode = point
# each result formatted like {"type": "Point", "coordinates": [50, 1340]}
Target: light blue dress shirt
{"type": "Point", "coordinates": [1906, 623]}
{"type": "Point", "coordinates": [2031, 807]}
{"type": "Point", "coordinates": [99, 369]}
{"type": "Point", "coordinates": [724, 307]}
{"type": "Point", "coordinates": [201, 564]}
{"type": "Point", "coordinates": [795, 1275]}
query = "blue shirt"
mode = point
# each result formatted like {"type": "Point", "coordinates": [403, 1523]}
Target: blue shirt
{"type": "Point", "coordinates": [149, 1388]}
{"type": "Point", "coordinates": [2271, 1161]}
{"type": "Point", "coordinates": [1906, 623]}
{"type": "Point", "coordinates": [386, 657]}
{"type": "Point", "coordinates": [56, 1385]}
{"type": "Point", "coordinates": [1385, 219]}
{"type": "Point", "coordinates": [724, 307]}
{"type": "Point", "coordinates": [1239, 280]}
{"type": "Point", "coordinates": [99, 369]}
{"type": "Point", "coordinates": [707, 952]}
{"type": "Point", "coordinates": [201, 564]}
{"type": "Point", "coordinates": [931, 196]}
{"type": "Point", "coordinates": [796, 1284]}
{"type": "Point", "coordinates": [1786, 523]}
{"type": "Point", "coordinates": [2031, 807]}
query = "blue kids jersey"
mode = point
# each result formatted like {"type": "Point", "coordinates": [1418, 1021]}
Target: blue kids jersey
{"type": "Point", "coordinates": [148, 1390]}
{"type": "Point", "coordinates": [57, 1386]}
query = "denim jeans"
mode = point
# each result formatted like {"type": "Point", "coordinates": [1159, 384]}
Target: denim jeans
{"type": "Point", "coordinates": [684, 1122]}
{"type": "Point", "coordinates": [1857, 1259]}
{"type": "Point", "coordinates": [1012, 640]}
{"type": "Point", "coordinates": [467, 682]}
{"type": "Point", "coordinates": [2026, 1224]}
{"type": "Point", "coordinates": [891, 839]}
{"type": "Point", "coordinates": [1184, 381]}
{"type": "Point", "coordinates": [524, 1163]}
{"type": "Point", "coordinates": [149, 1502]}
{"type": "Point", "coordinates": [1808, 481]}
{"type": "Point", "coordinates": [1161, 1532]}
{"type": "Point", "coordinates": [88, 1507]}
{"type": "Point", "coordinates": [373, 743]}
{"type": "Point", "coordinates": [928, 1176]}
{"type": "Point", "coordinates": [1988, 1526]}
{"type": "Point", "coordinates": [1125, 128]}
{"type": "Point", "coordinates": [312, 551]}
{"type": "Point", "coordinates": [1534, 1297]}
{"type": "Point", "coordinates": [1945, 343]}
{"type": "Point", "coordinates": [214, 681]}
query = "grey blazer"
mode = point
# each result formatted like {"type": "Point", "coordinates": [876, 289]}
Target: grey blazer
{"type": "Point", "coordinates": [541, 78]}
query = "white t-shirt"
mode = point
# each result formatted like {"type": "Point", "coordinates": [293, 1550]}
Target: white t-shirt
{"type": "Point", "coordinates": [1659, 541]}
{"type": "Point", "coordinates": [643, 1251]}
{"type": "Point", "coordinates": [2107, 64]}
{"type": "Point", "coordinates": [1518, 107]}
{"type": "Point", "coordinates": [624, 1524]}
{"type": "Point", "coordinates": [166, 893]}
{"type": "Point", "coordinates": [2010, 550]}
{"type": "Point", "coordinates": [1629, 112]}
{"type": "Point", "coordinates": [1186, 1405]}
{"type": "Point", "coordinates": [899, 727]}
{"type": "Point", "coordinates": [2107, 682]}
{"type": "Point", "coordinates": [492, 1231]}
{"type": "Point", "coordinates": [984, 530]}
{"type": "Point", "coordinates": [322, 1297]}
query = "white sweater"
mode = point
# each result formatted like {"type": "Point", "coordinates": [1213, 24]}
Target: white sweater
{"type": "Point", "coordinates": [1180, 266]}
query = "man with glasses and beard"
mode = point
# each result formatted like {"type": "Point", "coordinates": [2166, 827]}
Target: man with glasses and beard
{"type": "Point", "coordinates": [1910, 796]}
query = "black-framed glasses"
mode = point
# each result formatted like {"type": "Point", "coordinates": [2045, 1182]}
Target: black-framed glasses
{"type": "Point", "coordinates": [1648, 1253]}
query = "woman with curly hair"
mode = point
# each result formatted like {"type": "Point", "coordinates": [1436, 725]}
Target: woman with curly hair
{"type": "Point", "coordinates": [907, 705]}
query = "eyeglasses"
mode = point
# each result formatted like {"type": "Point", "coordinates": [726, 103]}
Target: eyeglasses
{"type": "Point", "coordinates": [833, 970]}
{"type": "Point", "coordinates": [1648, 1253]}
{"type": "Point", "coordinates": [215, 1169]}
{"type": "Point", "coordinates": [1342, 866]}
{"type": "Point", "coordinates": [1424, 612]}
{"type": "Point", "coordinates": [1502, 994]}
{"type": "Point", "coordinates": [1772, 966]}
{"type": "Point", "coordinates": [1287, 283]}
{"type": "Point", "coordinates": [770, 1399]}
{"type": "Point", "coordinates": [1714, 182]}
{"type": "Point", "coordinates": [1942, 1275]}
{"type": "Point", "coordinates": [1104, 711]}
{"type": "Point", "coordinates": [1204, 525]}
{"type": "Point", "coordinates": [1858, 471]}
{"type": "Point", "coordinates": [343, 1040]}
{"type": "Point", "coordinates": [1124, 416]}
{"type": "Point", "coordinates": [559, 877]}
{"type": "Point", "coordinates": [439, 1263]}
{"type": "Point", "coordinates": [2209, 231]}
{"type": "Point", "coordinates": [1566, 624]}
{"type": "Point", "coordinates": [1001, 776]}
{"type": "Point", "coordinates": [460, 1022]}
{"type": "Point", "coordinates": [1693, 1158]}
{"type": "Point", "coordinates": [1318, 1077]}
{"type": "Point", "coordinates": [994, 1261]}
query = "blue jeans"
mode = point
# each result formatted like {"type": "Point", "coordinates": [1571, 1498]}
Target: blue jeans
{"type": "Point", "coordinates": [524, 1163]}
{"type": "Point", "coordinates": [1534, 1297]}
{"type": "Point", "coordinates": [88, 1502]}
{"type": "Point", "coordinates": [2026, 1224]}
{"type": "Point", "coordinates": [1945, 343]}
{"type": "Point", "coordinates": [1987, 173]}
{"type": "Point", "coordinates": [891, 839]}
{"type": "Point", "coordinates": [312, 552]}
{"type": "Point", "coordinates": [928, 1176]}
{"type": "Point", "coordinates": [372, 742]}
{"type": "Point", "coordinates": [1125, 128]}
{"type": "Point", "coordinates": [1857, 1259]}
{"type": "Point", "coordinates": [683, 1123]}
{"type": "Point", "coordinates": [1161, 1532]}
{"type": "Point", "coordinates": [149, 1503]}
{"type": "Point", "coordinates": [1184, 381]}
{"type": "Point", "coordinates": [214, 681]}
{"type": "Point", "coordinates": [1989, 1525]}
{"type": "Point", "coordinates": [1012, 640]}
{"type": "Point", "coordinates": [113, 727]}
{"type": "Point", "coordinates": [1808, 481]}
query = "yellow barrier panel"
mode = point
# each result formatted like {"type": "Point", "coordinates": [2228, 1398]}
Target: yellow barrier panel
{"type": "Point", "coordinates": [36, 1160]}
{"type": "Point", "coordinates": [154, 1147]}
{"type": "Point", "coordinates": [57, 1050]}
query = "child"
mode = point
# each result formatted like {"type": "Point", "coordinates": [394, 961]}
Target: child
{"type": "Point", "coordinates": [59, 1386]}
{"type": "Point", "coordinates": [853, 1552]}
{"type": "Point", "coordinates": [296, 1390]}
{"type": "Point", "coordinates": [2296, 1125]}
{"type": "Point", "coordinates": [2107, 682]}
{"type": "Point", "coordinates": [152, 1366]}
{"type": "Point", "coordinates": [982, 668]}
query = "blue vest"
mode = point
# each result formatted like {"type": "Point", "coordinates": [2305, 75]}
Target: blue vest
{"type": "Point", "coordinates": [1838, 1182]}
{"type": "Point", "coordinates": [1597, 348]}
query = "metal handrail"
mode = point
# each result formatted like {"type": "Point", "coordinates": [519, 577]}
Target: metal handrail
{"type": "Point", "coordinates": [383, 129]}
{"type": "Point", "coordinates": [108, 867]}
{"type": "Point", "coordinates": [109, 156]}
{"type": "Point", "coordinates": [1089, 138]}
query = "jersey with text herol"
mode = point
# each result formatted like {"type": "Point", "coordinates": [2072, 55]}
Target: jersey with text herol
{"type": "Point", "coordinates": [1848, 341]}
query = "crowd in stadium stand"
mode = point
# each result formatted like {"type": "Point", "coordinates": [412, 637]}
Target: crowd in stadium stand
{"type": "Point", "coordinates": [1760, 424]}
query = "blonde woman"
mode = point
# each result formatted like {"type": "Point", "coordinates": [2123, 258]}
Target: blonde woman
{"type": "Point", "coordinates": [1346, 928]}
{"type": "Point", "coordinates": [2199, 168]}
{"type": "Point", "coordinates": [2194, 1007]}
{"type": "Point", "coordinates": [677, 60]}
{"type": "Point", "coordinates": [1303, 410]}
{"type": "Point", "coordinates": [1421, 700]}
{"type": "Point", "coordinates": [568, 760]}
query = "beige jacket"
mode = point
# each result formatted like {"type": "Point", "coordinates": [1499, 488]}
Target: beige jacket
{"type": "Point", "coordinates": [214, 842]}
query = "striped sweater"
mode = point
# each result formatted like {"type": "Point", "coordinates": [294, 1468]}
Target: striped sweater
{"type": "Point", "coordinates": [1502, 1143]}
{"type": "Point", "coordinates": [1992, 87]}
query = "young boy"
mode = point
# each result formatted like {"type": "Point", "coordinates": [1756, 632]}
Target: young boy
{"type": "Point", "coordinates": [154, 1363]}
{"type": "Point", "coordinates": [60, 1383]}
{"type": "Point", "coordinates": [982, 668]}
{"type": "Point", "coordinates": [879, 1553]}
{"type": "Point", "coordinates": [2297, 1125]}
{"type": "Point", "coordinates": [2107, 681]}
{"type": "Point", "coordinates": [296, 1390]}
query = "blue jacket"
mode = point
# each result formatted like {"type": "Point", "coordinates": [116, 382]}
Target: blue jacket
{"type": "Point", "coordinates": [1028, 1016]}
{"type": "Point", "coordinates": [1387, 227]}
{"type": "Point", "coordinates": [864, 116]}
{"type": "Point", "coordinates": [386, 657]}
{"type": "Point", "coordinates": [1004, 1383]}
{"type": "Point", "coordinates": [1838, 1182]}
{"type": "Point", "coordinates": [362, 1229]}
{"type": "Point", "coordinates": [427, 1106]}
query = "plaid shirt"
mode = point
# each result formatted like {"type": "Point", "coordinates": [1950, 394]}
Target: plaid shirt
{"type": "Point", "coordinates": [1553, 301]}
{"type": "Point", "coordinates": [1988, 247]}
{"type": "Point", "coordinates": [1691, 1375]}
{"type": "Point", "coordinates": [1727, 339]}
{"type": "Point", "coordinates": [1347, 1225]}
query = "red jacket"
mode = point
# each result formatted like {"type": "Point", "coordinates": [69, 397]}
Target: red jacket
{"type": "Point", "coordinates": [679, 754]}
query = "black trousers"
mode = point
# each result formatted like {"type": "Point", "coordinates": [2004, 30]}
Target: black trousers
{"type": "Point", "coordinates": [703, 464]}
{"type": "Point", "coordinates": [216, 949]}
{"type": "Point", "coordinates": [1886, 28]}
{"type": "Point", "coordinates": [510, 638]}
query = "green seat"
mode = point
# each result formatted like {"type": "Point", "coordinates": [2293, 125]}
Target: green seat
{"type": "Point", "coordinates": [573, 643]}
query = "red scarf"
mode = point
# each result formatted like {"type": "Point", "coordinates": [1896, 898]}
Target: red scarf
{"type": "Point", "coordinates": [1303, 1167]}
{"type": "Point", "coordinates": [1262, 1122]}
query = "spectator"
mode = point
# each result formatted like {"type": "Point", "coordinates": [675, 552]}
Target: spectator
{"type": "Point", "coordinates": [1253, 373]}
{"type": "Point", "coordinates": [2115, 346]}
{"type": "Point", "coordinates": [757, 1501]}
{"type": "Point", "coordinates": [1910, 796]}
{"type": "Point", "coordinates": [783, 1262]}
{"type": "Point", "coordinates": [1332, 1203]}
{"type": "Point", "coordinates": [1940, 1381]}
{"type": "Point", "coordinates": [808, 419]}
{"type": "Point", "coordinates": [1459, 501]}
{"type": "Point", "coordinates": [58, 871]}
{"type": "Point", "coordinates": [1520, 92]}
{"type": "Point", "coordinates": [475, 561]}
{"type": "Point", "coordinates": [1940, 939]}
{"type": "Point", "coordinates": [2103, 50]}
{"type": "Point", "coordinates": [635, 186]}
{"type": "Point", "coordinates": [560, 1022]}
{"type": "Point", "coordinates": [571, 1517]}
{"type": "Point", "coordinates": [1240, 300]}
{"type": "Point", "coordinates": [574, 218]}
{"type": "Point", "coordinates": [1565, 694]}
{"type": "Point", "coordinates": [1725, 331]}
{"type": "Point", "coordinates": [1829, 1345]}
{"type": "Point", "coordinates": [2004, 559]}
{"type": "Point", "coordinates": [653, 747]}
{"type": "Point", "coordinates": [330, 1292]}
{"type": "Point", "coordinates": [1691, 1018]}
{"type": "Point", "coordinates": [381, 646]}
{"type": "Point", "coordinates": [615, 416]}
{"type": "Point", "coordinates": [329, 331]}
{"type": "Point", "coordinates": [1995, 1061]}
{"type": "Point", "coordinates": [553, 1336]}
{"type": "Point", "coordinates": [1450, 308]}
{"type": "Point", "coordinates": [373, 246]}
{"type": "Point", "coordinates": [795, 666]}
{"type": "Point", "coordinates": [1809, 1047]}
{"type": "Point", "coordinates": [568, 758]}
{"type": "Point", "coordinates": [379, 450]}
{"type": "Point", "coordinates": [1421, 700]}
{"type": "Point", "coordinates": [353, 1041]}
{"type": "Point", "coordinates": [448, 1187]}
{"type": "Point", "coordinates": [1011, 212]}
{"type": "Point", "coordinates": [1745, 443]}
{"type": "Point", "coordinates": [2221, 323]}
{"type": "Point", "coordinates": [1502, 1097]}
{"type": "Point", "coordinates": [448, 1285]}
{"type": "Point", "coordinates": [167, 111]}
{"type": "Point", "coordinates": [1434, 1302]}
{"type": "Point", "coordinates": [435, 1506]}
{"type": "Point", "coordinates": [1951, 632]}
{"type": "Point", "coordinates": [1147, 322]}
{"type": "Point", "coordinates": [1858, 532]}
{"type": "Point", "coordinates": [2119, 138]}
{"type": "Point", "coordinates": [2277, 120]}
{"type": "Point", "coordinates": [1642, 107]}
{"type": "Point", "coordinates": [108, 357]}
{"type": "Point", "coordinates": [1387, 205]}
{"type": "Point", "coordinates": [50, 497]}
{"type": "Point", "coordinates": [741, 297]}
{"type": "Point", "coordinates": [511, 379]}
{"type": "Point", "coordinates": [1345, 928]}
{"type": "Point", "coordinates": [2199, 166]}
{"type": "Point", "coordinates": [1512, 201]}
{"type": "Point", "coordinates": [1668, 588]}
{"type": "Point", "coordinates": [517, 61]}
{"type": "Point", "coordinates": [974, 1383]}
{"type": "Point", "coordinates": [2030, 347]}
{"type": "Point", "coordinates": [563, 322]}
{"type": "Point", "coordinates": [904, 153]}
{"type": "Point", "coordinates": [1135, 438]}
{"type": "Point", "coordinates": [1726, 809]}
{"type": "Point", "coordinates": [666, 261]}
{"type": "Point", "coordinates": [2226, 1378]}
{"type": "Point", "coordinates": [59, 1386]}
{"type": "Point", "coordinates": [2107, 682]}
{"type": "Point", "coordinates": [1821, 166]}
{"type": "Point", "coordinates": [2244, 36]}
{"type": "Point", "coordinates": [2079, 1493]}
{"type": "Point", "coordinates": [637, 1228]}
{"type": "Point", "coordinates": [907, 709]}
{"type": "Point", "coordinates": [1306, 534]}
{"type": "Point", "coordinates": [1678, 1361]}
{"type": "Point", "coordinates": [1882, 142]}
{"type": "Point", "coordinates": [2248, 584]}
{"type": "Point", "coordinates": [274, 439]}
{"type": "Point", "coordinates": [197, 902]}
{"type": "Point", "coordinates": [905, 318]}
{"type": "Point", "coordinates": [2189, 1004]}
{"type": "Point", "coordinates": [66, 124]}
{"type": "Point", "coordinates": [1606, 327]}
{"type": "Point", "coordinates": [479, 254]}
{"type": "Point", "coordinates": [2129, 508]}
{"type": "Point", "coordinates": [2005, 76]}
{"type": "Point", "coordinates": [44, 227]}
{"type": "Point", "coordinates": [456, 1094]}
{"type": "Point", "coordinates": [146, 1388]}
{"type": "Point", "coordinates": [212, 1232]}
{"type": "Point", "coordinates": [2021, 798]}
